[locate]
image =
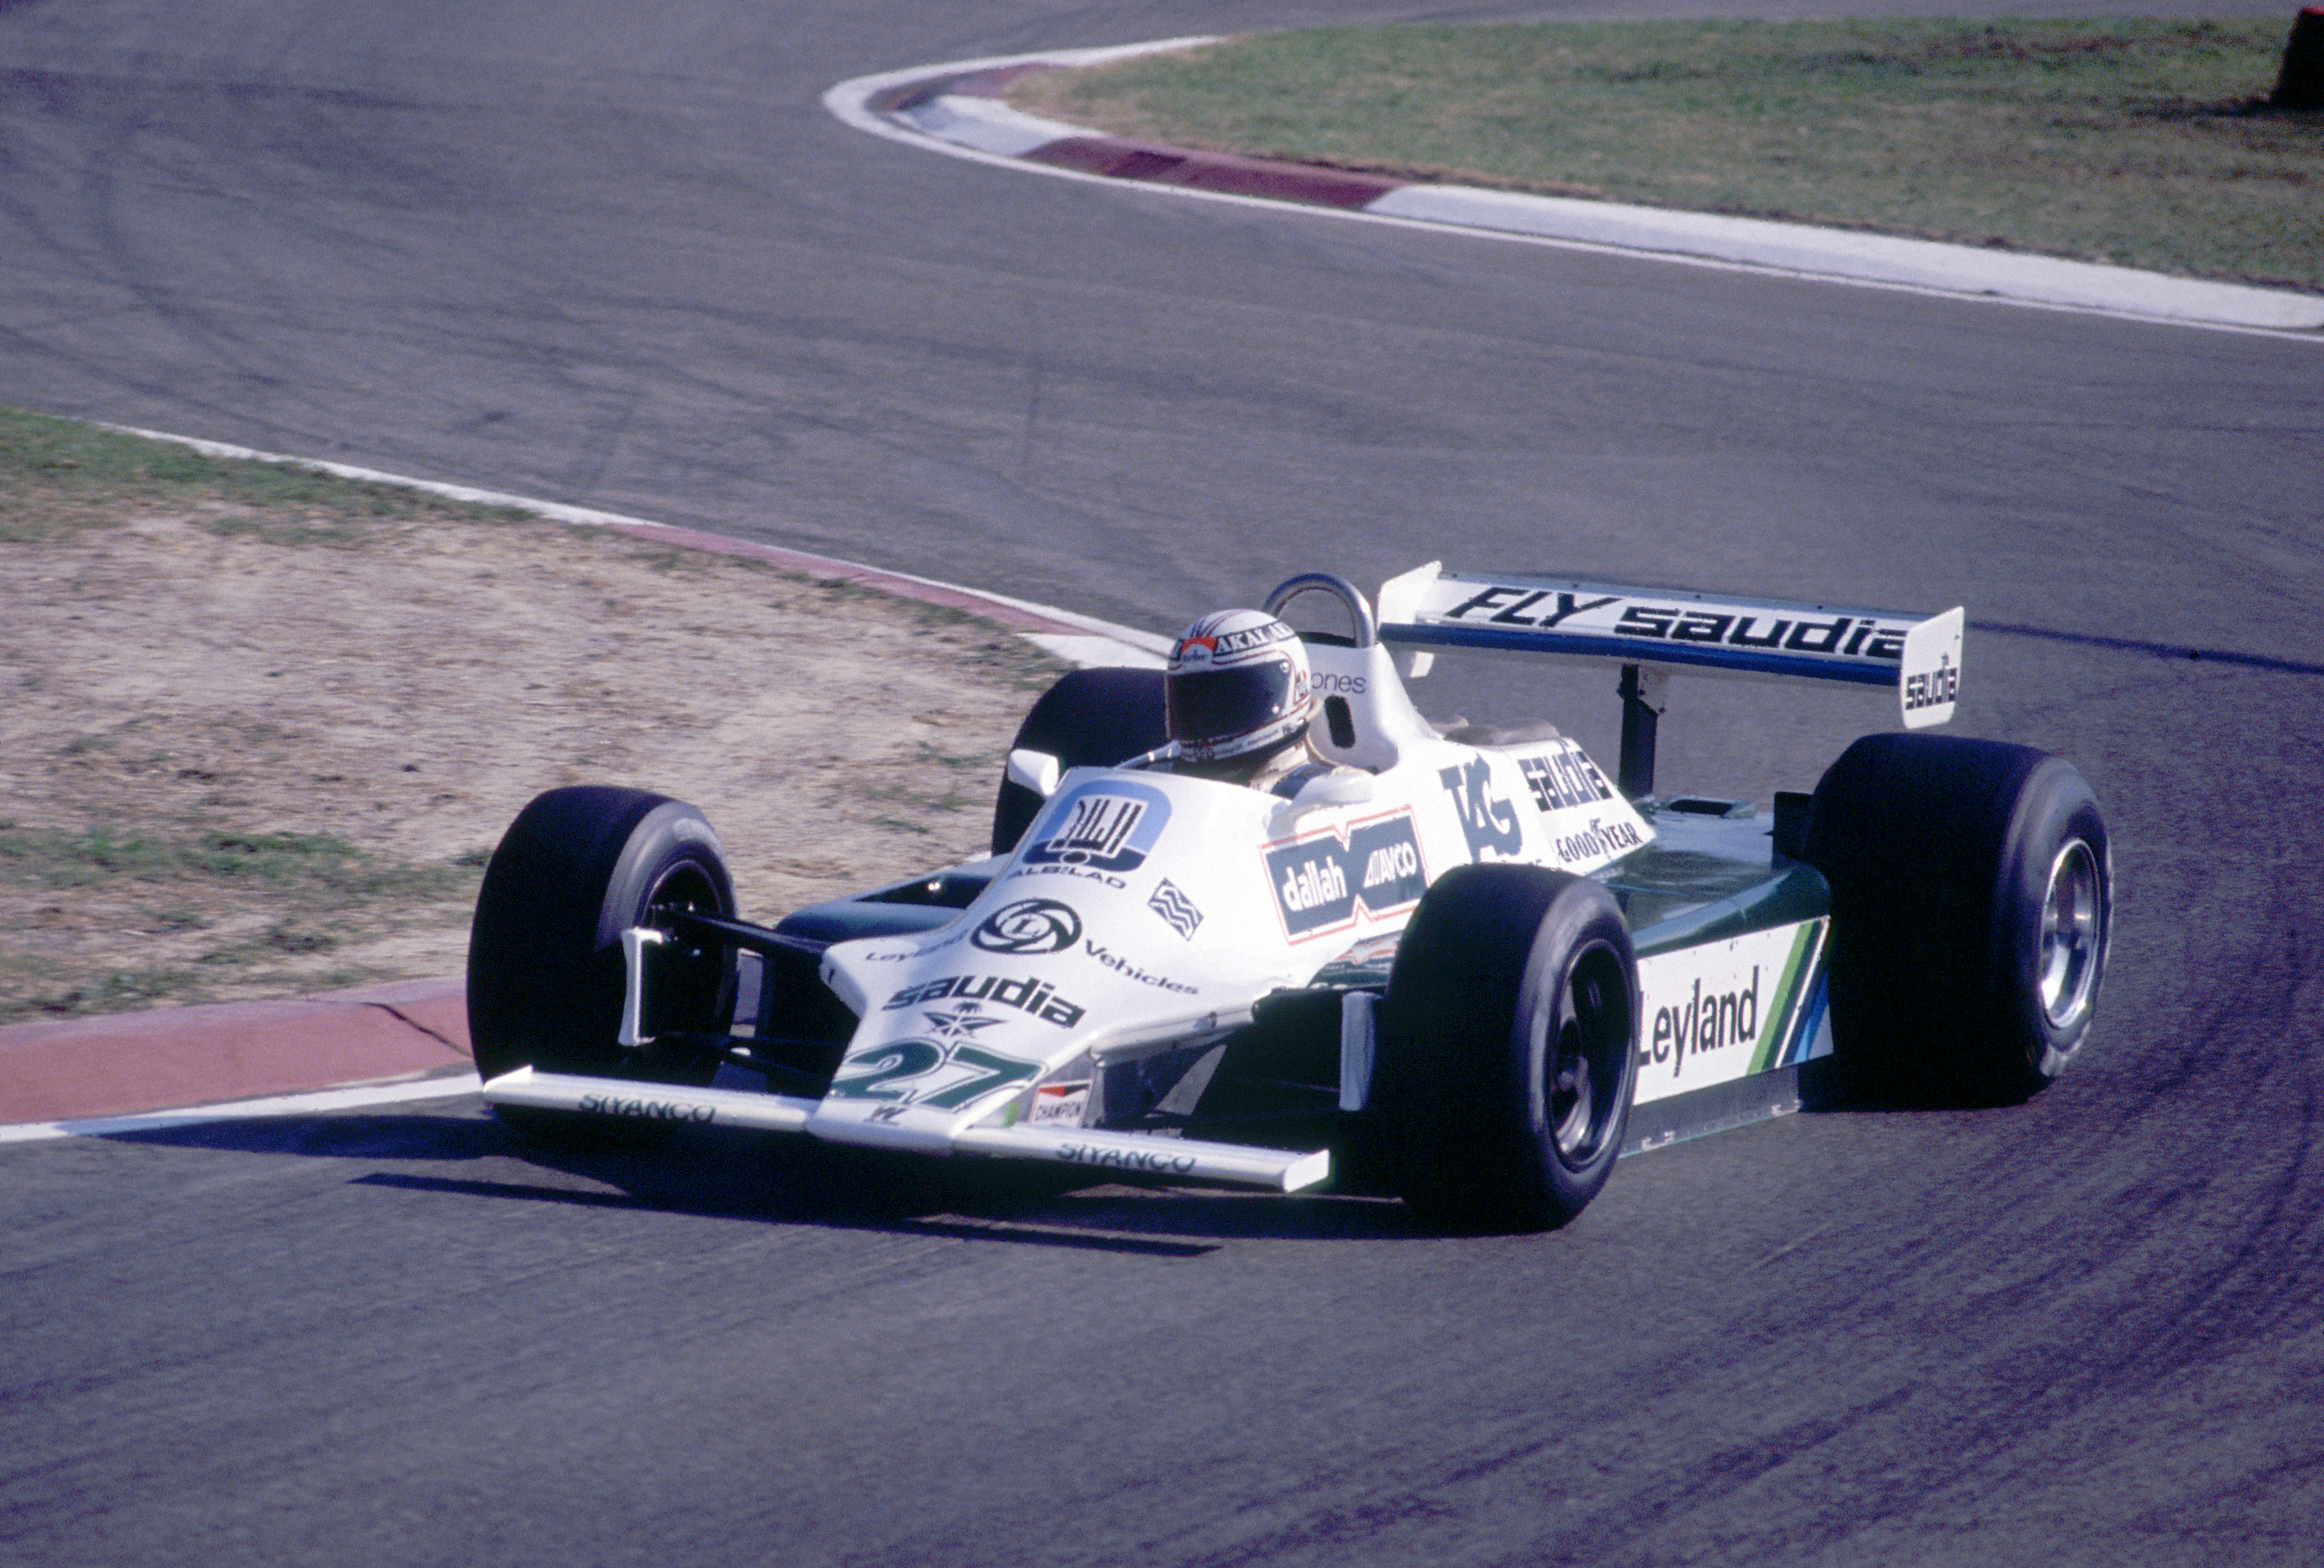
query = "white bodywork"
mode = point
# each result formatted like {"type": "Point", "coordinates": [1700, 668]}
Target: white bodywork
{"type": "Point", "coordinates": [1144, 914]}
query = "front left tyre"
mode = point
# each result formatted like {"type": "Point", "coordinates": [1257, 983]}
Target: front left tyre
{"type": "Point", "coordinates": [547, 978]}
{"type": "Point", "coordinates": [1507, 1049]}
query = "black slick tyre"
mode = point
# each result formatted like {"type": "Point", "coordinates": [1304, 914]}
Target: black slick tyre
{"type": "Point", "coordinates": [1972, 891]}
{"type": "Point", "coordinates": [546, 974]}
{"type": "Point", "coordinates": [1507, 1049]}
{"type": "Point", "coordinates": [1093, 718]}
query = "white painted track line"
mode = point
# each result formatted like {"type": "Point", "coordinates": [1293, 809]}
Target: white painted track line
{"type": "Point", "coordinates": [358, 1097]}
{"type": "Point", "coordinates": [1092, 641]}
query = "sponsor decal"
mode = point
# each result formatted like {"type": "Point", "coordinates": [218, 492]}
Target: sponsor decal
{"type": "Point", "coordinates": [1028, 996]}
{"type": "Point", "coordinates": [1084, 872]}
{"type": "Point", "coordinates": [1029, 925]}
{"type": "Point", "coordinates": [957, 1073]}
{"type": "Point", "coordinates": [1712, 1023]}
{"type": "Point", "coordinates": [1207, 635]}
{"type": "Point", "coordinates": [907, 955]}
{"type": "Point", "coordinates": [1722, 1011]}
{"type": "Point", "coordinates": [1339, 684]}
{"type": "Point", "coordinates": [1322, 883]}
{"type": "Point", "coordinates": [1312, 883]}
{"type": "Point", "coordinates": [1731, 626]}
{"type": "Point", "coordinates": [961, 1023]}
{"type": "Point", "coordinates": [886, 1113]}
{"type": "Point", "coordinates": [1159, 1161]}
{"type": "Point", "coordinates": [1108, 827]}
{"type": "Point", "coordinates": [1176, 910]}
{"type": "Point", "coordinates": [648, 1109]}
{"type": "Point", "coordinates": [1488, 822]}
{"type": "Point", "coordinates": [1842, 634]}
{"type": "Point", "coordinates": [1540, 608]}
{"type": "Point", "coordinates": [1596, 841]}
{"type": "Point", "coordinates": [1932, 688]}
{"type": "Point", "coordinates": [1564, 778]}
{"type": "Point", "coordinates": [1129, 970]}
{"type": "Point", "coordinates": [1057, 1103]}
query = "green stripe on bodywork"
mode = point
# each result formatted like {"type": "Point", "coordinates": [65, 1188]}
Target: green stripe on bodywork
{"type": "Point", "coordinates": [1788, 992]}
{"type": "Point", "coordinates": [1814, 1000]}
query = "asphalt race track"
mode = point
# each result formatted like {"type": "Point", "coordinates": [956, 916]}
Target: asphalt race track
{"type": "Point", "coordinates": [621, 257]}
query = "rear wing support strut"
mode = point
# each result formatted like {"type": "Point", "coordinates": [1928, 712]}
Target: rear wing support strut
{"type": "Point", "coordinates": [1643, 700]}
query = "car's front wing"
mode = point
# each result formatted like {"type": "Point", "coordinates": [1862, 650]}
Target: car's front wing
{"type": "Point", "coordinates": [1087, 1148]}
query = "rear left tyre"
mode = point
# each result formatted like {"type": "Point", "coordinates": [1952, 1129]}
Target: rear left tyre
{"type": "Point", "coordinates": [1092, 718]}
{"type": "Point", "coordinates": [1508, 1049]}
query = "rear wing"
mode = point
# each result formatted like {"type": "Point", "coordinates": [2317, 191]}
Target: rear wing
{"type": "Point", "coordinates": [1918, 656]}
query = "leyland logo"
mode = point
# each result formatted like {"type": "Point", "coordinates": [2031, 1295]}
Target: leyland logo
{"type": "Point", "coordinates": [1321, 882]}
{"type": "Point", "coordinates": [1029, 925]}
{"type": "Point", "coordinates": [1703, 1023]}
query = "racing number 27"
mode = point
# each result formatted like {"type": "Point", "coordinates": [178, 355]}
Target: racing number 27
{"type": "Point", "coordinates": [901, 1059]}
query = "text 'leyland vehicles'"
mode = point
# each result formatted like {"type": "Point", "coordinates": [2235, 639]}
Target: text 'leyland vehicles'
{"type": "Point", "coordinates": [1475, 969]}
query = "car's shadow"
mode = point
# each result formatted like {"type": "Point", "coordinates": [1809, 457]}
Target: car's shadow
{"type": "Point", "coordinates": [1827, 1087]}
{"type": "Point", "coordinates": [795, 1181]}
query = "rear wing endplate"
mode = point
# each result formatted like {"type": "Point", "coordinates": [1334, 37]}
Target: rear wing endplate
{"type": "Point", "coordinates": [1918, 656]}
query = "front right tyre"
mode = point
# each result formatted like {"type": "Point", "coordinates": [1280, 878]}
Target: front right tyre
{"type": "Point", "coordinates": [1507, 1049]}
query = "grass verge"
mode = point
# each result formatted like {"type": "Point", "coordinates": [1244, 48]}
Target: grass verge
{"type": "Point", "coordinates": [2142, 143]}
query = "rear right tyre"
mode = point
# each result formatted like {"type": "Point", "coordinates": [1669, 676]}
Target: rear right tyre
{"type": "Point", "coordinates": [1972, 897]}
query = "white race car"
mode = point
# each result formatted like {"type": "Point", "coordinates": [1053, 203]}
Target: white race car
{"type": "Point", "coordinates": [1473, 966]}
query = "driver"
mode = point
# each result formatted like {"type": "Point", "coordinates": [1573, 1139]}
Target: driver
{"type": "Point", "coordinates": [1239, 698]}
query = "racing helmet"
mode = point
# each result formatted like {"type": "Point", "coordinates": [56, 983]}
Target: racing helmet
{"type": "Point", "coordinates": [1237, 682]}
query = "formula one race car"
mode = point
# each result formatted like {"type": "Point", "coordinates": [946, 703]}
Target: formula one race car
{"type": "Point", "coordinates": [1470, 965]}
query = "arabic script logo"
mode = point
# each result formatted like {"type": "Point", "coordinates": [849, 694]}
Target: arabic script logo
{"type": "Point", "coordinates": [1029, 925]}
{"type": "Point", "coordinates": [1109, 826]}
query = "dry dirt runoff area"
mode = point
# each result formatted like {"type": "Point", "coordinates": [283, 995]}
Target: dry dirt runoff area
{"type": "Point", "coordinates": [262, 729]}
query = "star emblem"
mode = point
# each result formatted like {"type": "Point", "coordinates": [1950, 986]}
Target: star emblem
{"type": "Point", "coordinates": [960, 1024]}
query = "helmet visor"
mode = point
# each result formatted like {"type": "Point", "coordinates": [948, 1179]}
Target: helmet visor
{"type": "Point", "coordinates": [1207, 705]}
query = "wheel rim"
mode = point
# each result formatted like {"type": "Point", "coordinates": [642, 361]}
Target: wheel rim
{"type": "Point", "coordinates": [2072, 928]}
{"type": "Point", "coordinates": [1587, 1049]}
{"type": "Point", "coordinates": [684, 980]}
